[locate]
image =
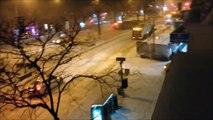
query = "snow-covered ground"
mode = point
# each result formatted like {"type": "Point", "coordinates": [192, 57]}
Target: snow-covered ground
{"type": "Point", "coordinates": [145, 82]}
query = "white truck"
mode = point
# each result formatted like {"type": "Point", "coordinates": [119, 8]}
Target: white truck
{"type": "Point", "coordinates": [154, 51]}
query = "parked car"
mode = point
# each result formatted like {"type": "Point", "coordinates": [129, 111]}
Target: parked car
{"type": "Point", "coordinates": [39, 87]}
{"type": "Point", "coordinates": [161, 51]}
{"type": "Point", "coordinates": [62, 38]}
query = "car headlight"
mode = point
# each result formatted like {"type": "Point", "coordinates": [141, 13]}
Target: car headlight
{"type": "Point", "coordinates": [58, 41]}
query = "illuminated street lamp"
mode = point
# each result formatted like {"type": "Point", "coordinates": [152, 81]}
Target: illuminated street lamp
{"type": "Point", "coordinates": [129, 1]}
{"type": "Point", "coordinates": [57, 1]}
{"type": "Point", "coordinates": [96, 2]}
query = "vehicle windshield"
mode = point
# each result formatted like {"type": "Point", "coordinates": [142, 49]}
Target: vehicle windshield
{"type": "Point", "coordinates": [176, 16]}
{"type": "Point", "coordinates": [136, 33]}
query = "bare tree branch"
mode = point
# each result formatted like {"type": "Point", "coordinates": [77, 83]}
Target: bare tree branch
{"type": "Point", "coordinates": [28, 66]}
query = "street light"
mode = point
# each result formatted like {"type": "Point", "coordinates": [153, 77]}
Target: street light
{"type": "Point", "coordinates": [57, 1]}
{"type": "Point", "coordinates": [96, 2]}
{"type": "Point", "coordinates": [129, 1]}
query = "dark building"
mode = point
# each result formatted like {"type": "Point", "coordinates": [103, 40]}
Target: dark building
{"type": "Point", "coordinates": [187, 92]}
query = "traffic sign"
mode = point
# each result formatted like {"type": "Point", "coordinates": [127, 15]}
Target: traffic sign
{"type": "Point", "coordinates": [179, 37]}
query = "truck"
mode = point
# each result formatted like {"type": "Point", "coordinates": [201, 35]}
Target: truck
{"type": "Point", "coordinates": [148, 30]}
{"type": "Point", "coordinates": [142, 31]}
{"type": "Point", "coordinates": [173, 17]}
{"type": "Point", "coordinates": [136, 32]}
{"type": "Point", "coordinates": [126, 24]}
{"type": "Point", "coordinates": [153, 50]}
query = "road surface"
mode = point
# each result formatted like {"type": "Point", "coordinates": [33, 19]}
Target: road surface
{"type": "Point", "coordinates": [145, 81]}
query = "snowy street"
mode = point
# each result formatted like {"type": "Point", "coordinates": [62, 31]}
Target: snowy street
{"type": "Point", "coordinates": [145, 82]}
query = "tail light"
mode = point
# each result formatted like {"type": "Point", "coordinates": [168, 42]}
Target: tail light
{"type": "Point", "coordinates": [38, 88]}
{"type": "Point", "coordinates": [115, 25]}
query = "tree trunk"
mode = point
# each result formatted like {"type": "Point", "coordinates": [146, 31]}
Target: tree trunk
{"type": "Point", "coordinates": [144, 11]}
{"type": "Point", "coordinates": [99, 24]}
{"type": "Point", "coordinates": [115, 16]}
{"type": "Point", "coordinates": [55, 116]}
{"type": "Point", "coordinates": [138, 17]}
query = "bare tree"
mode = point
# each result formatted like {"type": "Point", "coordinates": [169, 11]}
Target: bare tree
{"type": "Point", "coordinates": [98, 8]}
{"type": "Point", "coordinates": [30, 70]}
{"type": "Point", "coordinates": [117, 7]}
